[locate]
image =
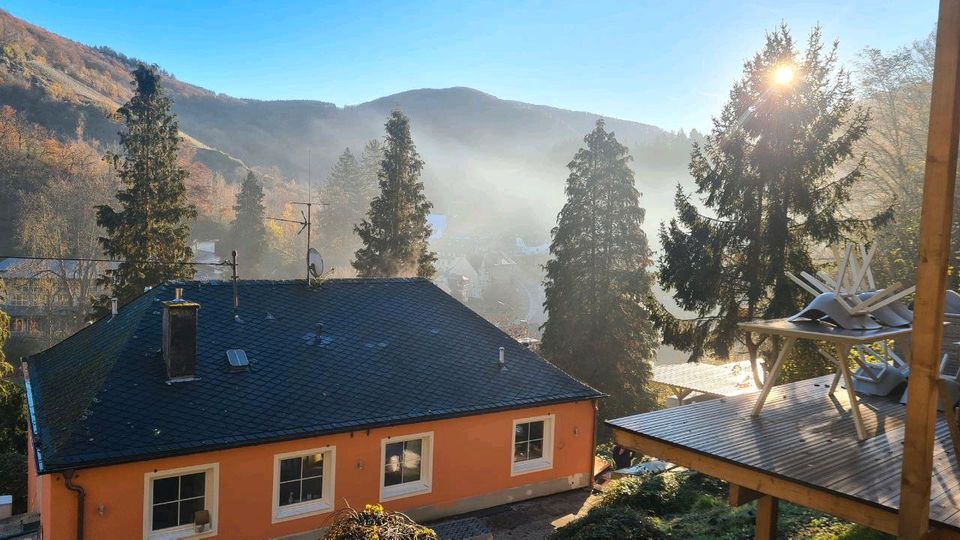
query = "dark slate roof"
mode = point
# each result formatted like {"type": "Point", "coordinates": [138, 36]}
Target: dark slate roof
{"type": "Point", "coordinates": [393, 351]}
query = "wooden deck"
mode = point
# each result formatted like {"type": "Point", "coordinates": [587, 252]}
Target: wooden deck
{"type": "Point", "coordinates": [803, 449]}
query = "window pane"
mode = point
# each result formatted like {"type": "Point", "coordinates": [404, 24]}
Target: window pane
{"type": "Point", "coordinates": [412, 450]}
{"type": "Point", "coordinates": [520, 452]}
{"type": "Point", "coordinates": [188, 508]}
{"type": "Point", "coordinates": [289, 493]}
{"type": "Point", "coordinates": [290, 469]}
{"type": "Point", "coordinates": [165, 489]}
{"type": "Point", "coordinates": [393, 455]}
{"type": "Point", "coordinates": [192, 485]}
{"type": "Point", "coordinates": [536, 430]}
{"type": "Point", "coordinates": [523, 433]}
{"type": "Point", "coordinates": [536, 450]}
{"type": "Point", "coordinates": [391, 475]}
{"type": "Point", "coordinates": [411, 462]}
{"type": "Point", "coordinates": [164, 516]}
{"type": "Point", "coordinates": [312, 488]}
{"type": "Point", "coordinates": [312, 465]}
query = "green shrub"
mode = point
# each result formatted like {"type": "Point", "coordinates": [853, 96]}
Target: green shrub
{"type": "Point", "coordinates": [13, 479]}
{"type": "Point", "coordinates": [604, 522]}
{"type": "Point", "coordinates": [650, 494]}
{"type": "Point", "coordinates": [662, 494]}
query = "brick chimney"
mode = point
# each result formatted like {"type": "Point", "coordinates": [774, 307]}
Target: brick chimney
{"type": "Point", "coordinates": [180, 338]}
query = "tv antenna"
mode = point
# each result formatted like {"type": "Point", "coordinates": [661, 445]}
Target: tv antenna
{"type": "Point", "coordinates": [305, 224]}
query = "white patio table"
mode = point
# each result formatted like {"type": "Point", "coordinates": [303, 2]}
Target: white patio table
{"type": "Point", "coordinates": [841, 338]}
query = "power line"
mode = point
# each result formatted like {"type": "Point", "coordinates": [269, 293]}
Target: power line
{"type": "Point", "coordinates": [86, 259]}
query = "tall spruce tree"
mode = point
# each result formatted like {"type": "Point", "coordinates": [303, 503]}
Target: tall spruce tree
{"type": "Point", "coordinates": [395, 233]}
{"type": "Point", "coordinates": [248, 231]}
{"type": "Point", "coordinates": [151, 224]}
{"type": "Point", "coordinates": [597, 327]}
{"type": "Point", "coordinates": [773, 181]}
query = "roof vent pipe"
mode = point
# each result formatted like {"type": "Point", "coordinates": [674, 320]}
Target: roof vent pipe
{"type": "Point", "coordinates": [501, 363]}
{"type": "Point", "coordinates": [234, 277]}
{"type": "Point", "coordinates": [114, 310]}
{"type": "Point", "coordinates": [318, 330]}
{"type": "Point", "coordinates": [178, 294]}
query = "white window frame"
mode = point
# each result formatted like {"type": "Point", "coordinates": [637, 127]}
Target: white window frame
{"type": "Point", "coordinates": [211, 501]}
{"type": "Point", "coordinates": [409, 489]}
{"type": "Point", "coordinates": [539, 464]}
{"type": "Point", "coordinates": [305, 508]}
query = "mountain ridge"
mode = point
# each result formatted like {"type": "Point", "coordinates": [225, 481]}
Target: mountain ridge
{"type": "Point", "coordinates": [485, 156]}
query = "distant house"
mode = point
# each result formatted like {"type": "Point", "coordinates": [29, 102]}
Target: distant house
{"type": "Point", "coordinates": [183, 417]}
{"type": "Point", "coordinates": [458, 278]}
{"type": "Point", "coordinates": [524, 249]}
{"type": "Point", "coordinates": [210, 267]}
{"type": "Point", "coordinates": [497, 270]}
{"type": "Point", "coordinates": [46, 298]}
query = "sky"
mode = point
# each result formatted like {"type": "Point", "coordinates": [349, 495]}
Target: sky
{"type": "Point", "coordinates": [669, 63]}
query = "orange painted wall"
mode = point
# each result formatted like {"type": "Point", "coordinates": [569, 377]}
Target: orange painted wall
{"type": "Point", "coordinates": [472, 456]}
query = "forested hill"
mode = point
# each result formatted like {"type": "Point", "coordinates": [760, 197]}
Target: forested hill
{"type": "Point", "coordinates": [489, 160]}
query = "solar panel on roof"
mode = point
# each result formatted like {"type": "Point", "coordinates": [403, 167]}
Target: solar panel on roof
{"type": "Point", "coordinates": [238, 360]}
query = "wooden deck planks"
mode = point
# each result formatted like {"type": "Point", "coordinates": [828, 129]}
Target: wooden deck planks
{"type": "Point", "coordinates": [806, 436]}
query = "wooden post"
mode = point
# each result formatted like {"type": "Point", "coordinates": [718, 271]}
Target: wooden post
{"type": "Point", "coordinates": [738, 495]}
{"type": "Point", "coordinates": [767, 509]}
{"type": "Point", "coordinates": [935, 222]}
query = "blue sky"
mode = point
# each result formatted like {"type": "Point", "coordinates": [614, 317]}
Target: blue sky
{"type": "Point", "coordinates": [668, 63]}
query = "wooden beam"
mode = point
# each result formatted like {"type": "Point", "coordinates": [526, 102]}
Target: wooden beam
{"type": "Point", "coordinates": [767, 509]}
{"type": "Point", "coordinates": [875, 517]}
{"type": "Point", "coordinates": [739, 495]}
{"type": "Point", "coordinates": [935, 222]}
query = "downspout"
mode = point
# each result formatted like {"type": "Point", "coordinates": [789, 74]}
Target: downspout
{"type": "Point", "coordinates": [595, 405]}
{"type": "Point", "coordinates": [68, 482]}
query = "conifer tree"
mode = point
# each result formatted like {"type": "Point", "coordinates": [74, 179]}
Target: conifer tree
{"type": "Point", "coordinates": [369, 163]}
{"type": "Point", "coordinates": [773, 180]}
{"type": "Point", "coordinates": [248, 231]}
{"type": "Point", "coordinates": [597, 328]}
{"type": "Point", "coordinates": [151, 224]}
{"type": "Point", "coordinates": [343, 209]}
{"type": "Point", "coordinates": [395, 233]}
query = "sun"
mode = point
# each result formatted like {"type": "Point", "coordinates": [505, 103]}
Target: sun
{"type": "Point", "coordinates": [783, 75]}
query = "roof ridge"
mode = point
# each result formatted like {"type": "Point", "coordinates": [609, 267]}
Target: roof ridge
{"type": "Point", "coordinates": [215, 282]}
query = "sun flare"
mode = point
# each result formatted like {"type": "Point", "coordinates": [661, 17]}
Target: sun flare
{"type": "Point", "coordinates": [783, 75]}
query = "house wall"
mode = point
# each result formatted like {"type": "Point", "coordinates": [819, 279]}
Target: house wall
{"type": "Point", "coordinates": [472, 465]}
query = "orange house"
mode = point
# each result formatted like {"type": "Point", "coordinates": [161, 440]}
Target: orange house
{"type": "Point", "coordinates": [256, 411]}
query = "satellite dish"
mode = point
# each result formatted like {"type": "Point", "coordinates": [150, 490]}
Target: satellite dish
{"type": "Point", "coordinates": [314, 262]}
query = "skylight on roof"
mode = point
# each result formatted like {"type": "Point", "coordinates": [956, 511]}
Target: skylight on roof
{"type": "Point", "coordinates": [238, 360]}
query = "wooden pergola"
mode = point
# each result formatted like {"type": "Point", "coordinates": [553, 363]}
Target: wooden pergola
{"type": "Point", "coordinates": [935, 223]}
{"type": "Point", "coordinates": [801, 450]}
